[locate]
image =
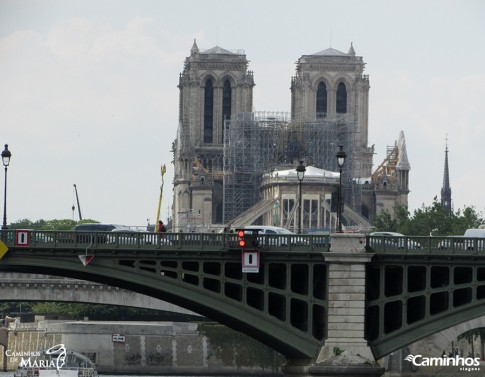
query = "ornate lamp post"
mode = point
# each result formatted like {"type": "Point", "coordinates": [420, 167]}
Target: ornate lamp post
{"type": "Point", "coordinates": [300, 172]}
{"type": "Point", "coordinates": [341, 156]}
{"type": "Point", "coordinates": [6, 161]}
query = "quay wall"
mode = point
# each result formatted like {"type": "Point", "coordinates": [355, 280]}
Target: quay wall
{"type": "Point", "coordinates": [148, 347]}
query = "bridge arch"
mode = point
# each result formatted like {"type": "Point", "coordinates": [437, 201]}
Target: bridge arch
{"type": "Point", "coordinates": [52, 288]}
{"type": "Point", "coordinates": [413, 296]}
{"type": "Point", "coordinates": [198, 282]}
{"type": "Point", "coordinates": [436, 343]}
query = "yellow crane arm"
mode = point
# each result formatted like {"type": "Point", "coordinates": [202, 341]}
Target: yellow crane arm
{"type": "Point", "coordinates": [163, 169]}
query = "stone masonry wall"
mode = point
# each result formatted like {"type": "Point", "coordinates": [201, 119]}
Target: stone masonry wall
{"type": "Point", "coordinates": [148, 347]}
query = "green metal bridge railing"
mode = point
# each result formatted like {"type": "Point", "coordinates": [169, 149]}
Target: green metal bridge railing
{"type": "Point", "coordinates": [228, 241]}
{"type": "Point", "coordinates": [164, 241]}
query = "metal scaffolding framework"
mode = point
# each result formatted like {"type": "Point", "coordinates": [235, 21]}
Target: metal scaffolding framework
{"type": "Point", "coordinates": [256, 143]}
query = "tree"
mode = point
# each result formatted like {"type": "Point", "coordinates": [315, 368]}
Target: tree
{"type": "Point", "coordinates": [468, 218]}
{"type": "Point", "coordinates": [387, 222]}
{"type": "Point", "coordinates": [428, 220]}
{"type": "Point", "coordinates": [56, 225]}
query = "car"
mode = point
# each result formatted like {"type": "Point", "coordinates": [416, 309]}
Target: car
{"type": "Point", "coordinates": [392, 240]}
{"type": "Point", "coordinates": [85, 233]}
{"type": "Point", "coordinates": [474, 233]}
{"type": "Point", "coordinates": [126, 236]}
{"type": "Point", "coordinates": [473, 239]}
{"type": "Point", "coordinates": [276, 236]}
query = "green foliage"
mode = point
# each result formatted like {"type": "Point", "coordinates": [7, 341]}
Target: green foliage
{"type": "Point", "coordinates": [428, 220]}
{"type": "Point", "coordinates": [470, 335]}
{"type": "Point", "coordinates": [98, 312]}
{"type": "Point", "coordinates": [95, 312]}
{"type": "Point", "coordinates": [14, 307]}
{"type": "Point", "coordinates": [392, 222]}
{"type": "Point", "coordinates": [337, 351]}
{"type": "Point", "coordinates": [55, 225]}
{"type": "Point", "coordinates": [75, 311]}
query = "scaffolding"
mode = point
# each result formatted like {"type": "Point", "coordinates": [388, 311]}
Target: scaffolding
{"type": "Point", "coordinates": [256, 143]}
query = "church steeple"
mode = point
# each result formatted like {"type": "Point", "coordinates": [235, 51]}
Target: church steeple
{"type": "Point", "coordinates": [446, 189]}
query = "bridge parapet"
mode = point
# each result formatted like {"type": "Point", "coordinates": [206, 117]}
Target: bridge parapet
{"type": "Point", "coordinates": [452, 245]}
{"type": "Point", "coordinates": [91, 241]}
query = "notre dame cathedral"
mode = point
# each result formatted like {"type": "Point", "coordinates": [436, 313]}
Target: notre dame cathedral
{"type": "Point", "coordinates": [237, 167]}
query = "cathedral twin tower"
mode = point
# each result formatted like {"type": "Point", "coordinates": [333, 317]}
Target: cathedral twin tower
{"type": "Point", "coordinates": [329, 90]}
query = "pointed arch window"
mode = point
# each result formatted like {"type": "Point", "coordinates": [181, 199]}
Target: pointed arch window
{"type": "Point", "coordinates": [208, 111]}
{"type": "Point", "coordinates": [341, 98]}
{"type": "Point", "coordinates": [321, 100]}
{"type": "Point", "coordinates": [226, 103]}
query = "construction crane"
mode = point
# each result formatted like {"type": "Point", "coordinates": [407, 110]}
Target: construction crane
{"type": "Point", "coordinates": [163, 170]}
{"type": "Point", "coordinates": [78, 207]}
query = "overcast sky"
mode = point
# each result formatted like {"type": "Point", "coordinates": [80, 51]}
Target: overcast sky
{"type": "Point", "coordinates": [88, 91]}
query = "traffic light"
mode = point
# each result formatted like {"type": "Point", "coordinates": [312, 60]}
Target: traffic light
{"type": "Point", "coordinates": [247, 239]}
{"type": "Point", "coordinates": [252, 239]}
{"type": "Point", "coordinates": [242, 238]}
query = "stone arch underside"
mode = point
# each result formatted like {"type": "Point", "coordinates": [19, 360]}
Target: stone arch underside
{"type": "Point", "coordinates": [276, 335]}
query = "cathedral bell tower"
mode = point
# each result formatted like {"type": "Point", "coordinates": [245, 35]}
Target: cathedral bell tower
{"type": "Point", "coordinates": [215, 85]}
{"type": "Point", "coordinates": [330, 84]}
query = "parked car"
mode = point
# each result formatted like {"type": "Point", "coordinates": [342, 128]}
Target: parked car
{"type": "Point", "coordinates": [474, 233]}
{"type": "Point", "coordinates": [276, 236]}
{"type": "Point", "coordinates": [392, 240]}
{"type": "Point", "coordinates": [86, 232]}
{"type": "Point", "coordinates": [473, 239]}
{"type": "Point", "coordinates": [127, 236]}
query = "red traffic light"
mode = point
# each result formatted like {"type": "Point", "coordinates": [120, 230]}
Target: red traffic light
{"type": "Point", "coordinates": [242, 241]}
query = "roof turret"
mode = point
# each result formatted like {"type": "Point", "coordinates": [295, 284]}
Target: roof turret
{"type": "Point", "coordinates": [195, 48]}
{"type": "Point", "coordinates": [402, 161]}
{"type": "Point", "coordinates": [351, 50]}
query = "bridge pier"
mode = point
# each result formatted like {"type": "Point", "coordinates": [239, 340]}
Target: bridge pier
{"type": "Point", "coordinates": [345, 352]}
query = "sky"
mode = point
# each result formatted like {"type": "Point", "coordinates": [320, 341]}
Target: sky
{"type": "Point", "coordinates": [88, 91]}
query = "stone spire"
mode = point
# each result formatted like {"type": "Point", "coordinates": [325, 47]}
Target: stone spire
{"type": "Point", "coordinates": [195, 48]}
{"type": "Point", "coordinates": [402, 162]}
{"type": "Point", "coordinates": [351, 50]}
{"type": "Point", "coordinates": [446, 189]}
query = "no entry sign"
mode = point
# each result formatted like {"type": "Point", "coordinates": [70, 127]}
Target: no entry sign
{"type": "Point", "coordinates": [250, 261]}
{"type": "Point", "coordinates": [22, 237]}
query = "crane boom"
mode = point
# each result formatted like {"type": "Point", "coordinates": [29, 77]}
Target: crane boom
{"type": "Point", "coordinates": [78, 207]}
{"type": "Point", "coordinates": [163, 169]}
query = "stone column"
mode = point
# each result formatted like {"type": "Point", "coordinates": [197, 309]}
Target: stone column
{"type": "Point", "coordinates": [345, 352]}
{"type": "Point", "coordinates": [346, 296]}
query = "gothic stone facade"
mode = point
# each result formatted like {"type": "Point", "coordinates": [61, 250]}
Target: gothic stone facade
{"type": "Point", "coordinates": [216, 85]}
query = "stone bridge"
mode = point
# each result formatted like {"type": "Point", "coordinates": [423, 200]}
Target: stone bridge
{"type": "Point", "coordinates": [324, 303]}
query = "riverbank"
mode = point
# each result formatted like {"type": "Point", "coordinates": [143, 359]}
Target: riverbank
{"type": "Point", "coordinates": [152, 348]}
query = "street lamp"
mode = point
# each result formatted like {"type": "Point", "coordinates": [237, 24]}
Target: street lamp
{"type": "Point", "coordinates": [300, 172]}
{"type": "Point", "coordinates": [6, 161]}
{"type": "Point", "coordinates": [341, 156]}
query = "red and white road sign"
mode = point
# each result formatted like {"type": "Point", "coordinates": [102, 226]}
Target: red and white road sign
{"type": "Point", "coordinates": [250, 261]}
{"type": "Point", "coordinates": [22, 237]}
{"type": "Point", "coordinates": [85, 259]}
